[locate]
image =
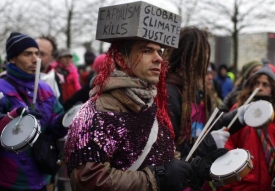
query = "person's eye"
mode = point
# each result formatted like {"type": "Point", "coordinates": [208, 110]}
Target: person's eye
{"type": "Point", "coordinates": [146, 51]}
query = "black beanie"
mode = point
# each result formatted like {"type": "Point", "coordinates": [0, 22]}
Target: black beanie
{"type": "Point", "coordinates": [89, 57]}
{"type": "Point", "coordinates": [17, 43]}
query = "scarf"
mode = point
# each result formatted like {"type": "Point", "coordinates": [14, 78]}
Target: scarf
{"type": "Point", "coordinates": [268, 149]}
{"type": "Point", "coordinates": [15, 72]}
{"type": "Point", "coordinates": [135, 88]}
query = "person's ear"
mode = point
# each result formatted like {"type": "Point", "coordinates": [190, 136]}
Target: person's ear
{"type": "Point", "coordinates": [12, 60]}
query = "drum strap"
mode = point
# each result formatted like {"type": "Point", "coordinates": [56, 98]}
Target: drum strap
{"type": "Point", "coordinates": [151, 140]}
{"type": "Point", "coordinates": [268, 149]}
{"type": "Point", "coordinates": [22, 95]}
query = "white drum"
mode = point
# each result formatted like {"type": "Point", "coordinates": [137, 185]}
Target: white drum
{"type": "Point", "coordinates": [258, 114]}
{"type": "Point", "coordinates": [18, 134]}
{"type": "Point", "coordinates": [69, 116]}
{"type": "Point", "coordinates": [231, 167]}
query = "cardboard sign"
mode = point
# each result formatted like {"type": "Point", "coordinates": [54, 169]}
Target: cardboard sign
{"type": "Point", "coordinates": [138, 20]}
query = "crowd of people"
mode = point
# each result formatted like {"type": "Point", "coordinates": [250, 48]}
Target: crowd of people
{"type": "Point", "coordinates": [143, 107]}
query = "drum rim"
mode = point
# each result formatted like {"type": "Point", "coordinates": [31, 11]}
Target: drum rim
{"type": "Point", "coordinates": [65, 116]}
{"type": "Point", "coordinates": [269, 114]}
{"type": "Point", "coordinates": [18, 147]}
{"type": "Point", "coordinates": [27, 145]}
{"type": "Point", "coordinates": [228, 175]}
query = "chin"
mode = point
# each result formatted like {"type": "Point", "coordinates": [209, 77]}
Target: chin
{"type": "Point", "coordinates": [153, 82]}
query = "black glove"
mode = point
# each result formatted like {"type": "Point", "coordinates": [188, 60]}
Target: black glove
{"type": "Point", "coordinates": [19, 110]}
{"type": "Point", "coordinates": [201, 168]}
{"type": "Point", "coordinates": [173, 176]}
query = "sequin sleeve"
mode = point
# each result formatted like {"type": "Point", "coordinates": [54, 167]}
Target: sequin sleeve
{"type": "Point", "coordinates": [93, 136]}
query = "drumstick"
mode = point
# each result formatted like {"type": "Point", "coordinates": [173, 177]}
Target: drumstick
{"type": "Point", "coordinates": [201, 134]}
{"type": "Point", "coordinates": [209, 129]}
{"type": "Point", "coordinates": [245, 103]}
{"type": "Point", "coordinates": [21, 115]}
{"type": "Point", "coordinates": [37, 72]}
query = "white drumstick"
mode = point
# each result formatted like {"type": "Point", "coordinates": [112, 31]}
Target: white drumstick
{"type": "Point", "coordinates": [245, 103]}
{"type": "Point", "coordinates": [1, 95]}
{"type": "Point", "coordinates": [37, 72]}
{"type": "Point", "coordinates": [201, 134]}
{"type": "Point", "coordinates": [21, 115]}
{"type": "Point", "coordinates": [210, 128]}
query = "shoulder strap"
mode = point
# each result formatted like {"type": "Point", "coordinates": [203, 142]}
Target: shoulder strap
{"type": "Point", "coordinates": [22, 95]}
{"type": "Point", "coordinates": [151, 140]}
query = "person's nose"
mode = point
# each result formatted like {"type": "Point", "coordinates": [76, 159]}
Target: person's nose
{"type": "Point", "coordinates": [157, 57]}
{"type": "Point", "coordinates": [260, 86]}
{"type": "Point", "coordinates": [35, 58]}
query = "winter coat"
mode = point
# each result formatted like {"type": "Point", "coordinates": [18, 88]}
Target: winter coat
{"type": "Point", "coordinates": [102, 175]}
{"type": "Point", "coordinates": [19, 171]}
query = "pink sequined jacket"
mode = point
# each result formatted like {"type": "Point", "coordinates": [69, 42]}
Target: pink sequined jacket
{"type": "Point", "coordinates": [106, 138]}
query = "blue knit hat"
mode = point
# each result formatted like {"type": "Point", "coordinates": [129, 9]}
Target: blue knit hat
{"type": "Point", "coordinates": [17, 43]}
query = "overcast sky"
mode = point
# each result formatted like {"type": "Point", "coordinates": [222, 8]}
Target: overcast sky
{"type": "Point", "coordinates": [164, 4]}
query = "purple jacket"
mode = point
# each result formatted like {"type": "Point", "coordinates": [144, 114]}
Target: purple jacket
{"type": "Point", "coordinates": [19, 171]}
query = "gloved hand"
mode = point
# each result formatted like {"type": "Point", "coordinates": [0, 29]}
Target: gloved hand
{"type": "Point", "coordinates": [201, 168]}
{"type": "Point", "coordinates": [19, 110]}
{"type": "Point", "coordinates": [241, 110]}
{"type": "Point", "coordinates": [220, 137]}
{"type": "Point", "coordinates": [35, 113]}
{"type": "Point", "coordinates": [174, 175]}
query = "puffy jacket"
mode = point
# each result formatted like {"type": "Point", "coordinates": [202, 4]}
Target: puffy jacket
{"type": "Point", "coordinates": [71, 84]}
{"type": "Point", "coordinates": [19, 171]}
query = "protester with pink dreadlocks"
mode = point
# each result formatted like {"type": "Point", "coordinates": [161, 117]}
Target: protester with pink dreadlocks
{"type": "Point", "coordinates": [122, 138]}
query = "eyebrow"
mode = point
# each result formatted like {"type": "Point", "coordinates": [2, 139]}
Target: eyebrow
{"type": "Point", "coordinates": [149, 47]}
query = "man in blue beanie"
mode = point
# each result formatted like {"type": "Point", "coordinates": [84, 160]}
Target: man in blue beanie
{"type": "Point", "coordinates": [18, 170]}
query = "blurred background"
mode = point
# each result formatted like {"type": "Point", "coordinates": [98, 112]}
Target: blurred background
{"type": "Point", "coordinates": [241, 29]}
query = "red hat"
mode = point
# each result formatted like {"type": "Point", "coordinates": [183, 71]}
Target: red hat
{"type": "Point", "coordinates": [98, 61]}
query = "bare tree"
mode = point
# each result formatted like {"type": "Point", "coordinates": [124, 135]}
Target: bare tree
{"type": "Point", "coordinates": [187, 10]}
{"type": "Point", "coordinates": [235, 17]}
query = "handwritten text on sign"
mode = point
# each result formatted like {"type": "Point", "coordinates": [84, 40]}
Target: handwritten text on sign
{"type": "Point", "coordinates": [138, 19]}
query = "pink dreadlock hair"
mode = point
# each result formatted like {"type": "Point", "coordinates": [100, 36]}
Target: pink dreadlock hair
{"type": "Point", "coordinates": [109, 65]}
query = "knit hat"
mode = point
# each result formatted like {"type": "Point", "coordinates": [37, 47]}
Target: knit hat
{"type": "Point", "coordinates": [264, 70]}
{"type": "Point", "coordinates": [98, 61]}
{"type": "Point", "coordinates": [62, 52]}
{"type": "Point", "coordinates": [17, 43]}
{"type": "Point", "coordinates": [89, 57]}
{"type": "Point", "coordinates": [246, 69]}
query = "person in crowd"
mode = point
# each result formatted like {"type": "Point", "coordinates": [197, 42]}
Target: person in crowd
{"type": "Point", "coordinates": [225, 82]}
{"type": "Point", "coordinates": [82, 95]}
{"type": "Point", "coordinates": [87, 73]}
{"type": "Point", "coordinates": [64, 66]}
{"type": "Point", "coordinates": [213, 98]}
{"type": "Point", "coordinates": [259, 142]}
{"type": "Point", "coordinates": [216, 83]}
{"type": "Point", "coordinates": [230, 73]}
{"type": "Point", "coordinates": [247, 70]}
{"type": "Point", "coordinates": [128, 104]}
{"type": "Point", "coordinates": [18, 171]}
{"type": "Point", "coordinates": [188, 102]}
{"type": "Point", "coordinates": [47, 52]}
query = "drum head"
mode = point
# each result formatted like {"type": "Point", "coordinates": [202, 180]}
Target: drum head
{"type": "Point", "coordinates": [258, 113]}
{"type": "Point", "coordinates": [69, 116]}
{"type": "Point", "coordinates": [13, 137]}
{"type": "Point", "coordinates": [229, 163]}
